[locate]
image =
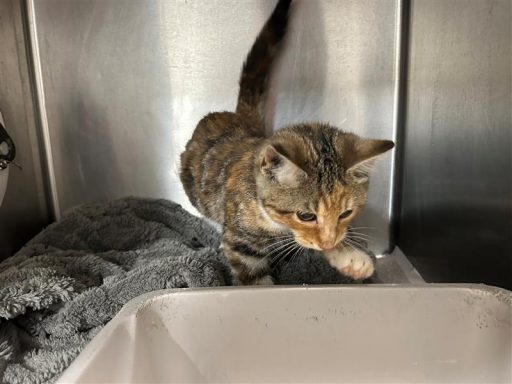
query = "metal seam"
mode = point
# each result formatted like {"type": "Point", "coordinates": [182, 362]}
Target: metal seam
{"type": "Point", "coordinates": [398, 111]}
{"type": "Point", "coordinates": [41, 107]}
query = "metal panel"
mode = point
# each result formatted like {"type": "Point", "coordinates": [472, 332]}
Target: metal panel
{"type": "Point", "coordinates": [456, 217]}
{"type": "Point", "coordinates": [24, 210]}
{"type": "Point", "coordinates": [123, 84]}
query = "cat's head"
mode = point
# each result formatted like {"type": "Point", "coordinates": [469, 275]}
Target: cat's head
{"type": "Point", "coordinates": [313, 179]}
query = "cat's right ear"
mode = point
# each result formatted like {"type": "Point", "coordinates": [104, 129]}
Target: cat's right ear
{"type": "Point", "coordinates": [360, 155]}
{"type": "Point", "coordinates": [279, 168]}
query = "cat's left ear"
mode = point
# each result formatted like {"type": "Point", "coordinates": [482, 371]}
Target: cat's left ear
{"type": "Point", "coordinates": [362, 154]}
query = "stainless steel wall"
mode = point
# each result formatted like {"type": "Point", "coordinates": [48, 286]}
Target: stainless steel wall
{"type": "Point", "coordinates": [24, 210]}
{"type": "Point", "coordinates": [123, 83]}
{"type": "Point", "coordinates": [456, 210]}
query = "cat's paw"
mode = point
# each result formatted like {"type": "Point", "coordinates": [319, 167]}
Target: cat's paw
{"type": "Point", "coordinates": [351, 263]}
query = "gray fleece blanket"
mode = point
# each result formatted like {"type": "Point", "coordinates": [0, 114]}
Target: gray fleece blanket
{"type": "Point", "coordinates": [60, 289]}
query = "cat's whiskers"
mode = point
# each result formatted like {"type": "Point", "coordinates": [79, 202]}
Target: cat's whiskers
{"type": "Point", "coordinates": [358, 230]}
{"type": "Point", "coordinates": [354, 228]}
{"type": "Point", "coordinates": [278, 249]}
{"type": "Point", "coordinates": [351, 233]}
{"type": "Point", "coordinates": [298, 254]}
{"type": "Point", "coordinates": [266, 241]}
{"type": "Point", "coordinates": [281, 248]}
{"type": "Point", "coordinates": [293, 249]}
{"type": "Point", "coordinates": [279, 237]}
{"type": "Point", "coordinates": [355, 247]}
{"type": "Point", "coordinates": [342, 245]}
{"type": "Point", "coordinates": [358, 238]}
{"type": "Point", "coordinates": [294, 252]}
{"type": "Point", "coordinates": [276, 244]}
{"type": "Point", "coordinates": [346, 241]}
{"type": "Point", "coordinates": [282, 252]}
{"type": "Point", "coordinates": [279, 241]}
{"type": "Point", "coordinates": [360, 233]}
{"type": "Point", "coordinates": [291, 245]}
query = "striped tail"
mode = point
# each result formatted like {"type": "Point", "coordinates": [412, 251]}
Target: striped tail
{"type": "Point", "coordinates": [258, 65]}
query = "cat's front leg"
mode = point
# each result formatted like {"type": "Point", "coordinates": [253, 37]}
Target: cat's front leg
{"type": "Point", "coordinates": [352, 263]}
{"type": "Point", "coordinates": [247, 264]}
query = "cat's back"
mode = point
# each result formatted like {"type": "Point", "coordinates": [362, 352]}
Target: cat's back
{"type": "Point", "coordinates": [218, 126]}
{"type": "Point", "coordinates": [222, 145]}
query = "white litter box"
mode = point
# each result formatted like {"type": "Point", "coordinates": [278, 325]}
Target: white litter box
{"type": "Point", "coordinates": [320, 334]}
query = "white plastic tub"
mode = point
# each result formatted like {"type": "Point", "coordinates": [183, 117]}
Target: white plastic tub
{"type": "Point", "coordinates": [371, 334]}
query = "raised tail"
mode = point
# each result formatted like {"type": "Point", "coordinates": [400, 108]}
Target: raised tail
{"type": "Point", "coordinates": [257, 66]}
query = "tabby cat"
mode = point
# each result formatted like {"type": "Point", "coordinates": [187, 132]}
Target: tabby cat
{"type": "Point", "coordinates": [300, 187]}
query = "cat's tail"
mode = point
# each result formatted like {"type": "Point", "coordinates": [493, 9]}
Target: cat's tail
{"type": "Point", "coordinates": [257, 66]}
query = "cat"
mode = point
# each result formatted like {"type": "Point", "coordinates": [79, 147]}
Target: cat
{"type": "Point", "coordinates": [298, 188]}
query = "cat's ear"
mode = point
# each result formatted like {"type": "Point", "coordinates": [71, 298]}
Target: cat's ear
{"type": "Point", "coordinates": [278, 167]}
{"type": "Point", "coordinates": [361, 155]}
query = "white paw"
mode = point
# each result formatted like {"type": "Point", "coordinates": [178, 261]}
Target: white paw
{"type": "Point", "coordinates": [351, 263]}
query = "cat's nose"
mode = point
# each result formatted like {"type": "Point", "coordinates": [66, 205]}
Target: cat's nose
{"type": "Point", "coordinates": [327, 245]}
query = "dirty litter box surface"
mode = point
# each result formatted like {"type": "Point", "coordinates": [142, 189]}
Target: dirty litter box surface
{"type": "Point", "coordinates": [370, 334]}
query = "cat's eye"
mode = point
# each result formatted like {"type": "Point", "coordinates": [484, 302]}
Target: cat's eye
{"type": "Point", "coordinates": [306, 216]}
{"type": "Point", "coordinates": [345, 214]}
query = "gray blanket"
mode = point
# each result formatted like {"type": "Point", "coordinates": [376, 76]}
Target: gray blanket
{"type": "Point", "coordinates": [71, 279]}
